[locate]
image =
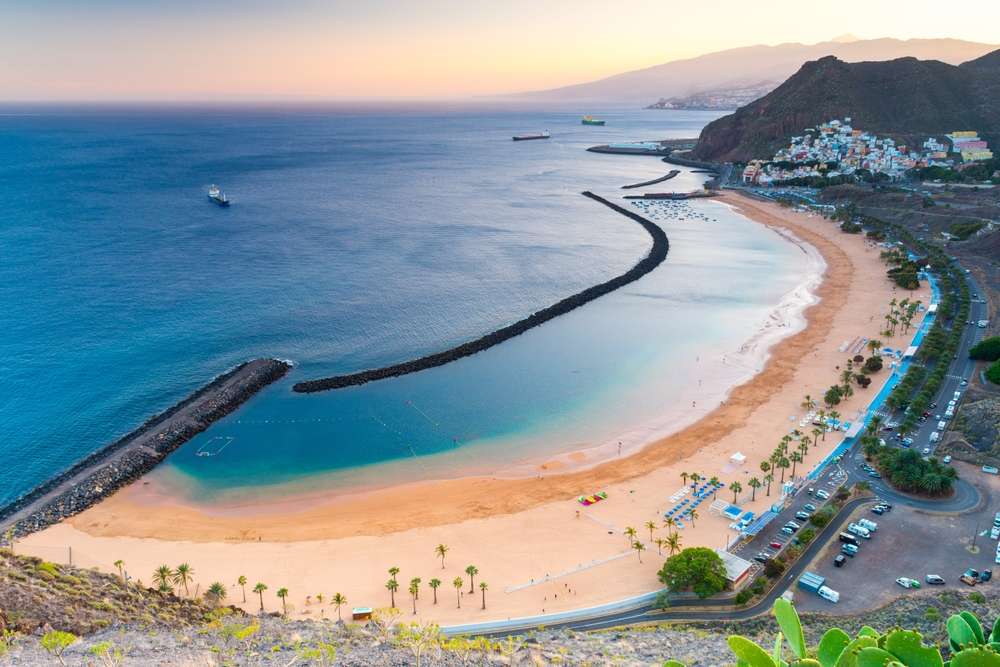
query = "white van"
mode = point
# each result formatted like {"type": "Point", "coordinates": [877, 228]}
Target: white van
{"type": "Point", "coordinates": [942, 425]}
{"type": "Point", "coordinates": [870, 525]}
{"type": "Point", "coordinates": [935, 436]}
{"type": "Point", "coordinates": [828, 594]}
{"type": "Point", "coordinates": [860, 531]}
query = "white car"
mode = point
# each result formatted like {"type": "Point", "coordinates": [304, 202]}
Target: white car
{"type": "Point", "coordinates": [947, 459]}
{"type": "Point", "coordinates": [997, 559]}
{"type": "Point", "coordinates": [822, 495]}
{"type": "Point", "coordinates": [995, 534]}
{"type": "Point", "coordinates": [906, 582]}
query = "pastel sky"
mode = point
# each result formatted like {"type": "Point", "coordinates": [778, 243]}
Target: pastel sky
{"type": "Point", "coordinates": [371, 49]}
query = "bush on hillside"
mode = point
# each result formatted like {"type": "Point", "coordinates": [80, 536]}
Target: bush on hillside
{"type": "Point", "coordinates": [696, 569]}
{"type": "Point", "coordinates": [993, 373]}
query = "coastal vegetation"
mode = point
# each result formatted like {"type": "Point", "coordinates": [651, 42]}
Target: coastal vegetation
{"type": "Point", "coordinates": [696, 569]}
{"type": "Point", "coordinates": [908, 471]}
{"type": "Point", "coordinates": [987, 349]}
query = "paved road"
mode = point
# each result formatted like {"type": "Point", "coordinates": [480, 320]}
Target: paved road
{"type": "Point", "coordinates": [965, 498]}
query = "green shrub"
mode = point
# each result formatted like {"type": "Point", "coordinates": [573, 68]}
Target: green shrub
{"type": "Point", "coordinates": [743, 597]}
{"type": "Point", "coordinates": [932, 614]}
{"type": "Point", "coordinates": [987, 349]}
{"type": "Point", "coordinates": [977, 597]}
{"type": "Point", "coordinates": [698, 569]}
{"type": "Point", "coordinates": [993, 373]}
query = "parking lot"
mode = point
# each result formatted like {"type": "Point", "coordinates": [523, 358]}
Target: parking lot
{"type": "Point", "coordinates": [911, 543]}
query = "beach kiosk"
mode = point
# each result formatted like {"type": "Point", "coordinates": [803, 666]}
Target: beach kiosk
{"type": "Point", "coordinates": [361, 614]}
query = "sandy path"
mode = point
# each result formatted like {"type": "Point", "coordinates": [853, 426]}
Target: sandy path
{"type": "Point", "coordinates": [517, 530]}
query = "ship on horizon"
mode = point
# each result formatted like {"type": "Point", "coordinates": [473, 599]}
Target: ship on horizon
{"type": "Point", "coordinates": [217, 196]}
{"type": "Point", "coordinates": [529, 137]}
{"type": "Point", "coordinates": [590, 120]}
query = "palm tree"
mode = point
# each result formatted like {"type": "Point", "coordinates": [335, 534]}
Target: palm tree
{"type": "Point", "coordinates": [259, 589]}
{"type": "Point", "coordinates": [392, 585]}
{"type": "Point", "coordinates": [670, 523]}
{"type": "Point", "coordinates": [659, 542]}
{"type": "Point", "coordinates": [639, 548]}
{"type": "Point", "coordinates": [674, 544]}
{"type": "Point", "coordinates": [795, 458]}
{"type": "Point", "coordinates": [441, 550]}
{"type": "Point", "coordinates": [283, 593]}
{"type": "Point", "coordinates": [393, 571]}
{"type": "Point", "coordinates": [754, 484]}
{"type": "Point", "coordinates": [216, 592]}
{"type": "Point", "coordinates": [874, 345]}
{"type": "Point", "coordinates": [808, 403]}
{"type": "Point", "coordinates": [769, 477]}
{"type": "Point", "coordinates": [784, 464]}
{"type": "Point", "coordinates": [765, 467]}
{"type": "Point", "coordinates": [684, 478]}
{"type": "Point", "coordinates": [714, 482]}
{"type": "Point", "coordinates": [419, 581]}
{"type": "Point", "coordinates": [693, 514]}
{"type": "Point", "coordinates": [434, 583]}
{"type": "Point", "coordinates": [822, 415]}
{"type": "Point", "coordinates": [120, 564]}
{"type": "Point", "coordinates": [458, 583]}
{"type": "Point", "coordinates": [183, 575]}
{"type": "Point", "coordinates": [804, 445]}
{"type": "Point", "coordinates": [629, 534]}
{"type": "Point", "coordinates": [650, 526]}
{"type": "Point", "coordinates": [472, 571]}
{"type": "Point", "coordinates": [242, 581]}
{"type": "Point", "coordinates": [162, 576]}
{"type": "Point", "coordinates": [735, 487]}
{"type": "Point", "coordinates": [834, 415]}
{"type": "Point", "coordinates": [483, 586]}
{"type": "Point", "coordinates": [816, 432]}
{"type": "Point", "coordinates": [338, 600]}
{"type": "Point", "coordinates": [414, 590]}
{"type": "Point", "coordinates": [695, 477]}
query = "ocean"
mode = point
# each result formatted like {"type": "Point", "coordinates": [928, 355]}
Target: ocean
{"type": "Point", "coordinates": [357, 238]}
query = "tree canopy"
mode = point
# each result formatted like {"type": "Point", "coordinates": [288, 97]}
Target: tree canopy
{"type": "Point", "coordinates": [987, 349]}
{"type": "Point", "coordinates": [697, 569]}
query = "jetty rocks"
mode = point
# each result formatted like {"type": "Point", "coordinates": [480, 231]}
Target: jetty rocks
{"type": "Point", "coordinates": [657, 253]}
{"type": "Point", "coordinates": [118, 464]}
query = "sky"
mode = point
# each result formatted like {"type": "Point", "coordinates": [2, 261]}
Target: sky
{"type": "Point", "coordinates": [118, 50]}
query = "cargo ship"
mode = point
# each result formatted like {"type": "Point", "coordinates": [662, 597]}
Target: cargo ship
{"type": "Point", "coordinates": [590, 120]}
{"type": "Point", "coordinates": [217, 196]}
{"type": "Point", "coordinates": [529, 137]}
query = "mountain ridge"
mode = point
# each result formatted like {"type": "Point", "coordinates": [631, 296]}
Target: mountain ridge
{"type": "Point", "coordinates": [744, 66]}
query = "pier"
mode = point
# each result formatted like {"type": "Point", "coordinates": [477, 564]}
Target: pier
{"type": "Point", "coordinates": [118, 464]}
{"type": "Point", "coordinates": [656, 255]}
{"type": "Point", "coordinates": [661, 179]}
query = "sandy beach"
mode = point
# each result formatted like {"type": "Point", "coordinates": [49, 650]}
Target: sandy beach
{"type": "Point", "coordinates": [539, 550]}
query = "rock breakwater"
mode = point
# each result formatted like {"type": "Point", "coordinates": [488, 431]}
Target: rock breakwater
{"type": "Point", "coordinates": [110, 468]}
{"type": "Point", "coordinates": [657, 253]}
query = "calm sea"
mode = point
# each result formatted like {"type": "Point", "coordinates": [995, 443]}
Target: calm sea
{"type": "Point", "coordinates": [355, 239]}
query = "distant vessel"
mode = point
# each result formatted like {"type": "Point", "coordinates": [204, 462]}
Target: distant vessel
{"type": "Point", "coordinates": [590, 120]}
{"type": "Point", "coordinates": [217, 196]}
{"type": "Point", "coordinates": [529, 137]}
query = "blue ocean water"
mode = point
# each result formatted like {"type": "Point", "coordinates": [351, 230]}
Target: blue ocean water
{"type": "Point", "coordinates": [356, 238]}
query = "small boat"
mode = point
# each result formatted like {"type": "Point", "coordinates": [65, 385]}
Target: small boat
{"type": "Point", "coordinates": [217, 196]}
{"type": "Point", "coordinates": [529, 137]}
{"type": "Point", "coordinates": [590, 120]}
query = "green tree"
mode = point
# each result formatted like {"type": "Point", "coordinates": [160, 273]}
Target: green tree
{"type": "Point", "coordinates": [392, 586]}
{"type": "Point", "coordinates": [393, 571]}
{"type": "Point", "coordinates": [754, 484]}
{"type": "Point", "coordinates": [162, 576]}
{"type": "Point", "coordinates": [120, 565]}
{"type": "Point", "coordinates": [639, 547]}
{"type": "Point", "coordinates": [987, 349]}
{"type": "Point", "coordinates": [735, 487]}
{"type": "Point", "coordinates": [441, 550]}
{"type": "Point", "coordinates": [216, 593]}
{"type": "Point", "coordinates": [765, 467]}
{"type": "Point", "coordinates": [183, 576]}
{"type": "Point", "coordinates": [458, 583]}
{"type": "Point", "coordinates": [630, 534]}
{"type": "Point", "coordinates": [697, 569]}
{"type": "Point", "coordinates": [414, 590]}
{"type": "Point", "coordinates": [259, 589]}
{"type": "Point", "coordinates": [483, 586]}
{"type": "Point", "coordinates": [435, 584]}
{"type": "Point", "coordinates": [693, 515]}
{"type": "Point", "coordinates": [338, 600]}
{"type": "Point", "coordinates": [650, 526]}
{"type": "Point", "coordinates": [472, 571]}
{"type": "Point", "coordinates": [283, 594]}
{"type": "Point", "coordinates": [242, 581]}
{"type": "Point", "coordinates": [674, 543]}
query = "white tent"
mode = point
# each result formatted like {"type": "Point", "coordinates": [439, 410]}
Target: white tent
{"type": "Point", "coordinates": [738, 458]}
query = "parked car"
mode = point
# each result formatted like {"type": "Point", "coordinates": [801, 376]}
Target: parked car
{"type": "Point", "coordinates": [802, 516]}
{"type": "Point", "coordinates": [985, 575]}
{"type": "Point", "coordinates": [860, 531]}
{"type": "Point", "coordinates": [970, 577]}
{"type": "Point", "coordinates": [787, 531]}
{"type": "Point", "coordinates": [906, 582]}
{"type": "Point", "coordinates": [947, 459]}
{"type": "Point", "coordinates": [809, 507]}
{"type": "Point", "coordinates": [839, 560]}
{"type": "Point", "coordinates": [762, 557]}
{"type": "Point", "coordinates": [934, 580]}
{"type": "Point", "coordinates": [849, 550]}
{"type": "Point", "coordinates": [823, 495]}
{"type": "Point", "coordinates": [995, 533]}
{"type": "Point", "coordinates": [990, 470]}
{"type": "Point", "coordinates": [792, 525]}
{"type": "Point", "coordinates": [775, 544]}
{"type": "Point", "coordinates": [878, 510]}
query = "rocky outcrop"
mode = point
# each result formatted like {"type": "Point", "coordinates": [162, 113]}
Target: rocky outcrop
{"type": "Point", "coordinates": [657, 253]}
{"type": "Point", "coordinates": [125, 460]}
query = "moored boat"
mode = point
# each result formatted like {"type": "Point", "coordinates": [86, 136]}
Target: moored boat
{"type": "Point", "coordinates": [529, 137]}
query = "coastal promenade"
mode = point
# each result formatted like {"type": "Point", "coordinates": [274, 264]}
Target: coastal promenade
{"type": "Point", "coordinates": [105, 471]}
{"type": "Point", "coordinates": [657, 253]}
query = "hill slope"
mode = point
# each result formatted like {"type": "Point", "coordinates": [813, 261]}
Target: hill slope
{"type": "Point", "coordinates": [749, 66]}
{"type": "Point", "coordinates": [906, 97]}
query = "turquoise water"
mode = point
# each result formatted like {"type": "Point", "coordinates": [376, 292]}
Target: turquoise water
{"type": "Point", "coordinates": [355, 239]}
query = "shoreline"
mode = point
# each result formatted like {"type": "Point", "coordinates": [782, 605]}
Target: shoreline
{"type": "Point", "coordinates": [540, 550]}
{"type": "Point", "coordinates": [523, 493]}
{"type": "Point", "coordinates": [657, 253]}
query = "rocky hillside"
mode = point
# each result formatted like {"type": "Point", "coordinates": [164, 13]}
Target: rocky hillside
{"type": "Point", "coordinates": [114, 624]}
{"type": "Point", "coordinates": [904, 98]}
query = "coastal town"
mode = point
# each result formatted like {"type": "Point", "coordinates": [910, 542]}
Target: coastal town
{"type": "Point", "coordinates": [838, 149]}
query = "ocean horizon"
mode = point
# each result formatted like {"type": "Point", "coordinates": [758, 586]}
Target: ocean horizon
{"type": "Point", "coordinates": [357, 239]}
